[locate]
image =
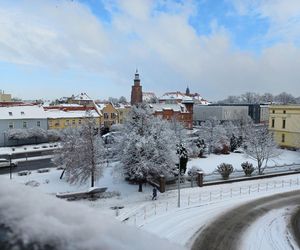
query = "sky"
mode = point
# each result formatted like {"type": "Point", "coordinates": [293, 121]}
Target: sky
{"type": "Point", "coordinates": [55, 48]}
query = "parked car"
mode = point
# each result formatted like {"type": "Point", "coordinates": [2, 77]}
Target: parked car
{"type": "Point", "coordinates": [6, 163]}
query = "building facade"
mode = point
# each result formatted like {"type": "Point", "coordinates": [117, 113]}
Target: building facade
{"type": "Point", "coordinates": [221, 113]}
{"type": "Point", "coordinates": [4, 97]}
{"type": "Point", "coordinates": [284, 122]}
{"type": "Point", "coordinates": [20, 117]}
{"type": "Point", "coordinates": [109, 114]}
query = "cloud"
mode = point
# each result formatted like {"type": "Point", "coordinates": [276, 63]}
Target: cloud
{"type": "Point", "coordinates": [156, 37]}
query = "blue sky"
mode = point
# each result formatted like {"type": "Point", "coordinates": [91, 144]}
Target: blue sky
{"type": "Point", "coordinates": [55, 48]}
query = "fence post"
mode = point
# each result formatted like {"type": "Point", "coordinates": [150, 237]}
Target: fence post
{"type": "Point", "coordinates": [249, 191]}
{"type": "Point", "coordinates": [240, 191]}
{"type": "Point", "coordinates": [200, 198]}
{"type": "Point", "coordinates": [221, 194]}
{"type": "Point", "coordinates": [162, 183]}
{"type": "Point", "coordinates": [167, 207]}
{"type": "Point", "coordinates": [231, 192]}
{"type": "Point", "coordinates": [200, 178]}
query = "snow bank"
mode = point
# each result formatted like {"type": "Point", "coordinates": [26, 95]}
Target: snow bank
{"type": "Point", "coordinates": [34, 217]}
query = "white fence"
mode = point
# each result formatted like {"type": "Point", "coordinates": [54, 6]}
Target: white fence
{"type": "Point", "coordinates": [197, 197]}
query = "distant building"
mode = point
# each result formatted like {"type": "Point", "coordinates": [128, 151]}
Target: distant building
{"type": "Point", "coordinates": [5, 97]}
{"type": "Point", "coordinates": [221, 113]}
{"type": "Point", "coordinates": [123, 110]}
{"type": "Point", "coordinates": [20, 117]}
{"type": "Point", "coordinates": [81, 99]}
{"type": "Point", "coordinates": [177, 97]}
{"type": "Point", "coordinates": [136, 90]}
{"type": "Point", "coordinates": [149, 97]}
{"type": "Point", "coordinates": [68, 118]}
{"type": "Point", "coordinates": [226, 112]}
{"type": "Point", "coordinates": [284, 122]}
{"type": "Point", "coordinates": [109, 114]}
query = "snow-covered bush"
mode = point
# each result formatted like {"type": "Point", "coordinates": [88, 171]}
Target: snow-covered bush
{"type": "Point", "coordinates": [225, 170]}
{"type": "Point", "coordinates": [248, 168]}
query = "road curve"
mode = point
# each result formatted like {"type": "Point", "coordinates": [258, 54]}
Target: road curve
{"type": "Point", "coordinates": [226, 231]}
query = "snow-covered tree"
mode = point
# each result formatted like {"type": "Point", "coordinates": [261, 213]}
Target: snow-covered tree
{"type": "Point", "coordinates": [37, 134]}
{"type": "Point", "coordinates": [53, 135]}
{"type": "Point", "coordinates": [285, 98]}
{"type": "Point", "coordinates": [17, 134]}
{"type": "Point", "coordinates": [147, 146]}
{"type": "Point", "coordinates": [82, 153]}
{"type": "Point", "coordinates": [259, 145]}
{"type": "Point", "coordinates": [214, 134]}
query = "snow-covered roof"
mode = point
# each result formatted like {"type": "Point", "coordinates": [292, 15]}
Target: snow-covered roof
{"type": "Point", "coordinates": [101, 105]}
{"type": "Point", "coordinates": [147, 96]}
{"type": "Point", "coordinates": [22, 112]}
{"type": "Point", "coordinates": [172, 95]}
{"type": "Point", "coordinates": [159, 107]}
{"type": "Point", "coordinates": [56, 113]}
{"type": "Point", "coordinates": [82, 97]}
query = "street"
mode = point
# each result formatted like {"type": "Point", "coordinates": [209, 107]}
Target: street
{"type": "Point", "coordinates": [28, 165]}
{"type": "Point", "coordinates": [226, 231]}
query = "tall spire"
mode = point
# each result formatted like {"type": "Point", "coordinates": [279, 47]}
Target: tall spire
{"type": "Point", "coordinates": [187, 91]}
{"type": "Point", "coordinates": [136, 75]}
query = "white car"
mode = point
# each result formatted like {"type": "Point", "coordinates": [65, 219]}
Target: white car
{"type": "Point", "coordinates": [5, 163]}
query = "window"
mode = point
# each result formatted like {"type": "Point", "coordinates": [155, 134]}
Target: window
{"type": "Point", "coordinates": [284, 111]}
{"type": "Point", "coordinates": [24, 124]}
{"type": "Point", "coordinates": [67, 122]}
{"type": "Point", "coordinates": [57, 123]}
{"type": "Point", "coordinates": [79, 121]}
{"type": "Point", "coordinates": [273, 123]}
{"type": "Point", "coordinates": [10, 113]}
{"type": "Point", "coordinates": [73, 122]}
{"type": "Point", "coordinates": [10, 125]}
{"type": "Point", "coordinates": [38, 123]}
{"type": "Point", "coordinates": [22, 113]}
{"type": "Point", "coordinates": [106, 115]}
{"type": "Point", "coordinates": [50, 123]}
{"type": "Point", "coordinates": [283, 123]}
{"type": "Point", "coordinates": [283, 138]}
{"type": "Point", "coordinates": [273, 111]}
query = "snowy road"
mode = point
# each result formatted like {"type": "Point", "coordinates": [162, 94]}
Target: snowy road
{"type": "Point", "coordinates": [254, 225]}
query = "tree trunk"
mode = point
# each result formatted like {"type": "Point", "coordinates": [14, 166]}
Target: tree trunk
{"type": "Point", "coordinates": [92, 179]}
{"type": "Point", "coordinates": [140, 186]}
{"type": "Point", "coordinates": [62, 174]}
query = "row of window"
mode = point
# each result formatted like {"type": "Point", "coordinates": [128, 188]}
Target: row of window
{"type": "Point", "coordinates": [283, 123]}
{"type": "Point", "coordinates": [24, 124]}
{"type": "Point", "coordinates": [67, 123]}
{"type": "Point", "coordinates": [112, 116]}
{"type": "Point", "coordinates": [273, 111]}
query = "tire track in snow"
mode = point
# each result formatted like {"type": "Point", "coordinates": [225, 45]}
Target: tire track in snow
{"type": "Point", "coordinates": [227, 231]}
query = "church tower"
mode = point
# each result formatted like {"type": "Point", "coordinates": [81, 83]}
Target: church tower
{"type": "Point", "coordinates": [136, 90]}
{"type": "Point", "coordinates": [187, 91]}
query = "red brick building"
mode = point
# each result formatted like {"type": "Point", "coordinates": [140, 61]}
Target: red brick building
{"type": "Point", "coordinates": [136, 90]}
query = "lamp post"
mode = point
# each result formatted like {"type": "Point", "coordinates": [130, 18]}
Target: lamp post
{"type": "Point", "coordinates": [10, 166]}
{"type": "Point", "coordinates": [179, 177]}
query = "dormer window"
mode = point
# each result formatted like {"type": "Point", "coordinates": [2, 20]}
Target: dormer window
{"type": "Point", "coordinates": [10, 113]}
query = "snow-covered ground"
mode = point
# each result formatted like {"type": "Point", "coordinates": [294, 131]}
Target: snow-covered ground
{"type": "Point", "coordinates": [28, 148]}
{"type": "Point", "coordinates": [199, 206]}
{"type": "Point", "coordinates": [210, 163]}
{"type": "Point", "coordinates": [269, 232]}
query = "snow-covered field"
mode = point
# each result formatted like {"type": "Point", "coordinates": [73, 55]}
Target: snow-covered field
{"type": "Point", "coordinates": [199, 206]}
{"type": "Point", "coordinates": [210, 163]}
